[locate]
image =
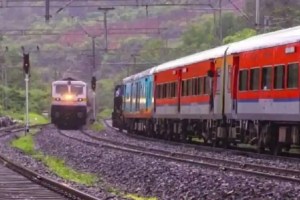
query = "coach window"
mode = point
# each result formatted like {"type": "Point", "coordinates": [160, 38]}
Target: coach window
{"type": "Point", "coordinates": [254, 79]}
{"type": "Point", "coordinates": [164, 90]}
{"type": "Point", "coordinates": [200, 83]}
{"type": "Point", "coordinates": [229, 77]}
{"type": "Point", "coordinates": [190, 87]}
{"type": "Point", "coordinates": [206, 85]}
{"type": "Point", "coordinates": [266, 81]}
{"type": "Point", "coordinates": [292, 75]}
{"type": "Point", "coordinates": [176, 89]}
{"type": "Point", "coordinates": [243, 80]}
{"type": "Point", "coordinates": [279, 77]}
{"type": "Point", "coordinates": [174, 86]}
{"type": "Point", "coordinates": [182, 88]}
{"type": "Point", "coordinates": [168, 90]}
{"type": "Point", "coordinates": [158, 89]}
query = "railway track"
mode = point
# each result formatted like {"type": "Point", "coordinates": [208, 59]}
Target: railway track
{"type": "Point", "coordinates": [199, 146]}
{"type": "Point", "coordinates": [18, 182]}
{"type": "Point", "coordinates": [215, 163]}
{"type": "Point", "coordinates": [17, 128]}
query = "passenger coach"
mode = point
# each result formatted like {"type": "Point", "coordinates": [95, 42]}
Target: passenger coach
{"type": "Point", "coordinates": [244, 92]}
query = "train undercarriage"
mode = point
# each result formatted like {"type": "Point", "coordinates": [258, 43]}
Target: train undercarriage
{"type": "Point", "coordinates": [68, 116]}
{"type": "Point", "coordinates": [262, 135]}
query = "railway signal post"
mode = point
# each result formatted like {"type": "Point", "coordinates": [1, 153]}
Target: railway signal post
{"type": "Point", "coordinates": [26, 66]}
{"type": "Point", "coordinates": [94, 97]}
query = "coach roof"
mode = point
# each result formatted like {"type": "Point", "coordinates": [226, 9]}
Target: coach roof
{"type": "Point", "coordinates": [194, 58]}
{"type": "Point", "coordinates": [262, 41]}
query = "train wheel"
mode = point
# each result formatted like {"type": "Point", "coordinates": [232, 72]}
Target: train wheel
{"type": "Point", "coordinates": [275, 148]}
{"type": "Point", "coordinates": [260, 147]}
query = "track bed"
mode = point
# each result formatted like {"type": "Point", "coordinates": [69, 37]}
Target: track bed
{"type": "Point", "coordinates": [15, 186]}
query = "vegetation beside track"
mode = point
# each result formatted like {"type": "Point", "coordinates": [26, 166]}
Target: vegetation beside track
{"type": "Point", "coordinates": [27, 145]}
{"type": "Point", "coordinates": [104, 114]}
{"type": "Point", "coordinates": [34, 118]}
{"type": "Point", "coordinates": [129, 195]}
{"type": "Point", "coordinates": [98, 125]}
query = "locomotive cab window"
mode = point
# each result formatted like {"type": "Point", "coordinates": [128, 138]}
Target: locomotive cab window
{"type": "Point", "coordinates": [279, 77]}
{"type": "Point", "coordinates": [292, 75]}
{"type": "Point", "coordinates": [243, 80]}
{"type": "Point", "coordinates": [61, 89]}
{"type": "Point", "coordinates": [77, 89]}
{"type": "Point", "coordinates": [266, 81]}
{"type": "Point", "coordinates": [254, 79]}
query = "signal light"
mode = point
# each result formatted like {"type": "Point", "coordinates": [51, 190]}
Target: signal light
{"type": "Point", "coordinates": [26, 63]}
{"type": "Point", "coordinates": [93, 83]}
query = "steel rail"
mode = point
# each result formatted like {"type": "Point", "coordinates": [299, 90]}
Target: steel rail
{"type": "Point", "coordinates": [215, 163]}
{"type": "Point", "coordinates": [46, 182]}
{"type": "Point", "coordinates": [234, 150]}
{"type": "Point", "coordinates": [18, 128]}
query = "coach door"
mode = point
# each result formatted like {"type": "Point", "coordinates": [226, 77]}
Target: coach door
{"type": "Point", "coordinates": [235, 73]}
{"type": "Point", "coordinates": [210, 80]}
{"type": "Point", "coordinates": [179, 89]}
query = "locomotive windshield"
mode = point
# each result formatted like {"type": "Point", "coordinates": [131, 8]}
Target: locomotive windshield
{"type": "Point", "coordinates": [61, 89]}
{"type": "Point", "coordinates": [77, 89]}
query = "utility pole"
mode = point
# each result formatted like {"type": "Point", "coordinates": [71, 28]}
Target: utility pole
{"type": "Point", "coordinates": [134, 62]}
{"type": "Point", "coordinates": [94, 54]}
{"type": "Point", "coordinates": [105, 10]}
{"type": "Point", "coordinates": [47, 10]}
{"type": "Point", "coordinates": [5, 85]}
{"type": "Point", "coordinates": [257, 14]}
{"type": "Point", "coordinates": [3, 80]}
{"type": "Point", "coordinates": [220, 22]}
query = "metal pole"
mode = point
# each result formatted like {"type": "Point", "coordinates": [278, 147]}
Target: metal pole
{"type": "Point", "coordinates": [105, 27]}
{"type": "Point", "coordinates": [257, 17]}
{"type": "Point", "coordinates": [93, 74]}
{"type": "Point", "coordinates": [105, 10]}
{"type": "Point", "coordinates": [3, 81]}
{"type": "Point", "coordinates": [220, 21]}
{"type": "Point", "coordinates": [94, 105]}
{"type": "Point", "coordinates": [27, 103]}
{"type": "Point", "coordinates": [47, 10]}
{"type": "Point", "coordinates": [134, 62]}
{"type": "Point", "coordinates": [94, 54]}
{"type": "Point", "coordinates": [5, 86]}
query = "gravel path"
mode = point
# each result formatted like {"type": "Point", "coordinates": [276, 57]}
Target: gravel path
{"type": "Point", "coordinates": [26, 161]}
{"type": "Point", "coordinates": [153, 177]}
{"type": "Point", "coordinates": [114, 135]}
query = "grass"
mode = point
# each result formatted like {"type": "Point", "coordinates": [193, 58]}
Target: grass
{"type": "Point", "coordinates": [136, 197]}
{"type": "Point", "coordinates": [58, 166]}
{"type": "Point", "coordinates": [35, 118]}
{"type": "Point", "coordinates": [97, 126]}
{"type": "Point", "coordinates": [129, 195]}
{"type": "Point", "coordinates": [104, 114]}
{"type": "Point", "coordinates": [25, 143]}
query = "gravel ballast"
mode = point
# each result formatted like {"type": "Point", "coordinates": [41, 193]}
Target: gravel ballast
{"type": "Point", "coordinates": [228, 155]}
{"type": "Point", "coordinates": [25, 160]}
{"type": "Point", "coordinates": [149, 176]}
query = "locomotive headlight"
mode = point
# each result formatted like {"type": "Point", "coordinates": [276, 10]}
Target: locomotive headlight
{"type": "Point", "coordinates": [57, 99]}
{"type": "Point", "coordinates": [68, 97]}
{"type": "Point", "coordinates": [80, 99]}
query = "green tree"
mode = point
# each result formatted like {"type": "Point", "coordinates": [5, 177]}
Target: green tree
{"type": "Point", "coordinates": [240, 35]}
